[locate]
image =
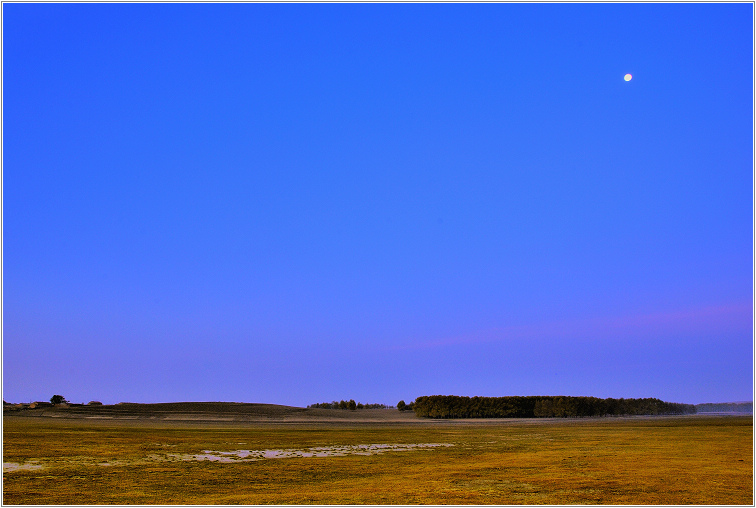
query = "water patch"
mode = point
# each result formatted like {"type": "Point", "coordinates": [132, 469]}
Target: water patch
{"type": "Point", "coordinates": [224, 456]}
{"type": "Point", "coordinates": [315, 451]}
{"type": "Point", "coordinates": [9, 467]}
{"type": "Point", "coordinates": [113, 463]}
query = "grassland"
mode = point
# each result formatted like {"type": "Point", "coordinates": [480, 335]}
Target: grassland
{"type": "Point", "coordinates": [659, 460]}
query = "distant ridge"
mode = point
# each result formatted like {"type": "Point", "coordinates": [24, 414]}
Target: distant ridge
{"type": "Point", "coordinates": [207, 412]}
{"type": "Point", "coordinates": [725, 407]}
{"type": "Point", "coordinates": [206, 406]}
{"type": "Point", "coordinates": [168, 408]}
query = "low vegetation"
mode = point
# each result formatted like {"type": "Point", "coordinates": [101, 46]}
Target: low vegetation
{"type": "Point", "coordinates": [639, 460]}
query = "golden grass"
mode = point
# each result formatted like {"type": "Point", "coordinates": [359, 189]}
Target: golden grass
{"type": "Point", "coordinates": [680, 460]}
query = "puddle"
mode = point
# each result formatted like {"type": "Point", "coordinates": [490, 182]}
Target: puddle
{"type": "Point", "coordinates": [113, 463]}
{"type": "Point", "coordinates": [15, 466]}
{"type": "Point", "coordinates": [227, 457]}
{"type": "Point", "coordinates": [317, 451]}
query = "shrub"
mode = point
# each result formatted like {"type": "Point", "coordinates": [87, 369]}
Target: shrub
{"type": "Point", "coordinates": [58, 399]}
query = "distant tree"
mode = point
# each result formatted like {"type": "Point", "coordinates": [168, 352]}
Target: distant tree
{"type": "Point", "coordinates": [360, 405]}
{"type": "Point", "coordinates": [401, 405]}
{"type": "Point", "coordinates": [343, 404]}
{"type": "Point", "coordinates": [351, 404]}
{"type": "Point", "coordinates": [58, 399]}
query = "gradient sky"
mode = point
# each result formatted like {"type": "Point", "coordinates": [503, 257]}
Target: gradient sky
{"type": "Point", "coordinates": [296, 203]}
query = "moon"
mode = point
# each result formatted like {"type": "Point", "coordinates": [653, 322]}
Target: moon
{"type": "Point", "coordinates": [628, 77]}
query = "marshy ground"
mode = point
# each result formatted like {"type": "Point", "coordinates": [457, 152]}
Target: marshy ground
{"type": "Point", "coordinates": [256, 454]}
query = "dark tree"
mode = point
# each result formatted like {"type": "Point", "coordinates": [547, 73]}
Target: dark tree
{"type": "Point", "coordinates": [58, 399]}
{"type": "Point", "coordinates": [401, 406]}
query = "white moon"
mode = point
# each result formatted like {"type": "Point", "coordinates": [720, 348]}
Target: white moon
{"type": "Point", "coordinates": [628, 77]}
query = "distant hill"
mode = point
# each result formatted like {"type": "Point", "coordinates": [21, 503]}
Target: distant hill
{"type": "Point", "coordinates": [725, 407]}
{"type": "Point", "coordinates": [208, 412]}
{"type": "Point", "coordinates": [132, 409]}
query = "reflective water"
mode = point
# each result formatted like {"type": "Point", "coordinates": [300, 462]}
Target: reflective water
{"type": "Point", "coordinates": [228, 456]}
{"type": "Point", "coordinates": [317, 451]}
{"type": "Point", "coordinates": [15, 466]}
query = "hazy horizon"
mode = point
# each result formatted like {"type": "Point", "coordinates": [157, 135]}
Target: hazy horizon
{"type": "Point", "coordinates": [300, 203]}
{"type": "Point", "coordinates": [389, 405]}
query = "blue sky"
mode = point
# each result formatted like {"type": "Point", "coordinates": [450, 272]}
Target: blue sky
{"type": "Point", "coordinates": [296, 203]}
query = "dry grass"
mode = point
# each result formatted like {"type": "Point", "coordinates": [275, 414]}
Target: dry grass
{"type": "Point", "coordinates": [681, 460]}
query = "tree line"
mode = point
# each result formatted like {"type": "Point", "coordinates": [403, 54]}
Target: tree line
{"type": "Point", "coordinates": [453, 406]}
{"type": "Point", "coordinates": [347, 404]}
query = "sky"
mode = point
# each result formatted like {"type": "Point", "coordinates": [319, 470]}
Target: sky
{"type": "Point", "coordinates": [300, 203]}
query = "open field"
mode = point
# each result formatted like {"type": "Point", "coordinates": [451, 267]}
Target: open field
{"type": "Point", "coordinates": [287, 455]}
